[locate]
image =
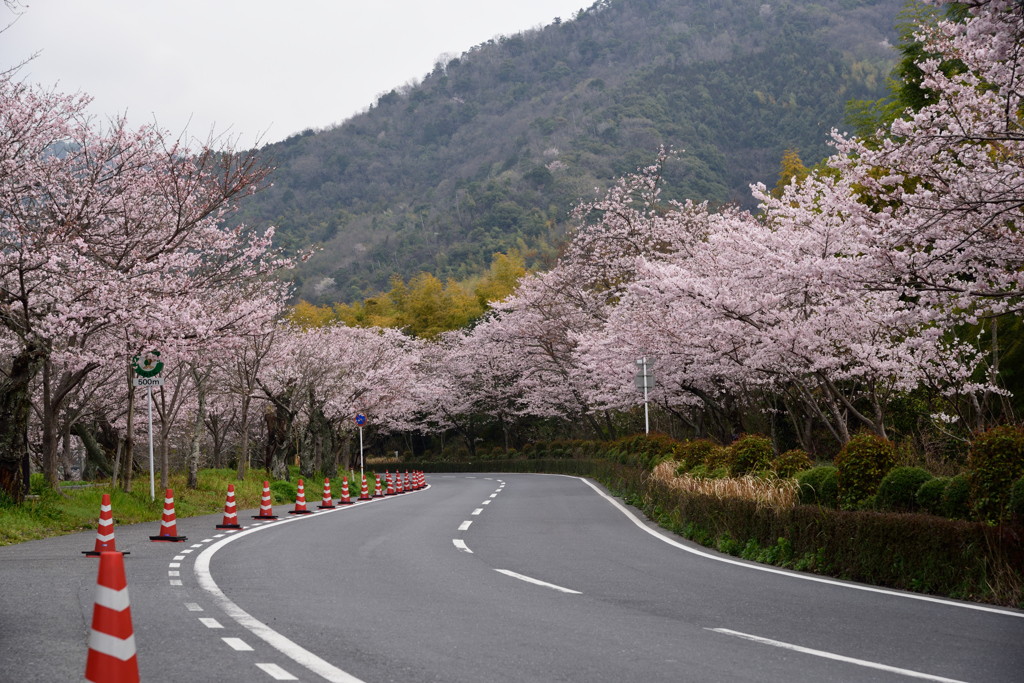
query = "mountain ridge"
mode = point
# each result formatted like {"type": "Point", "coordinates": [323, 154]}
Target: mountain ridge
{"type": "Point", "coordinates": [491, 149]}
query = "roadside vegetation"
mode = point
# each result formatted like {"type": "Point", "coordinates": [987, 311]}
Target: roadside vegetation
{"type": "Point", "coordinates": [56, 513]}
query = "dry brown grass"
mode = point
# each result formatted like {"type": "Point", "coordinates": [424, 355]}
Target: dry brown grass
{"type": "Point", "coordinates": [777, 494]}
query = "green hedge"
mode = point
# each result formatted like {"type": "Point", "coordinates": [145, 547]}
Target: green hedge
{"type": "Point", "coordinates": [921, 553]}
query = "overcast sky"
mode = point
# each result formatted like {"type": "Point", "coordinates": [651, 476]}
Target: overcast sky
{"type": "Point", "coordinates": [249, 67]}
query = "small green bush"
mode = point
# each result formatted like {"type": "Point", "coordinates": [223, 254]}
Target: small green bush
{"type": "Point", "coordinates": [1017, 499]}
{"type": "Point", "coordinates": [898, 490]}
{"type": "Point", "coordinates": [697, 452]}
{"type": "Point", "coordinates": [956, 499]}
{"type": "Point", "coordinates": [283, 491]}
{"type": "Point", "coordinates": [819, 486]}
{"type": "Point", "coordinates": [791, 462]}
{"type": "Point", "coordinates": [995, 462]}
{"type": "Point", "coordinates": [720, 458]}
{"type": "Point", "coordinates": [750, 453]}
{"type": "Point", "coordinates": [861, 465]}
{"type": "Point", "coordinates": [929, 496]}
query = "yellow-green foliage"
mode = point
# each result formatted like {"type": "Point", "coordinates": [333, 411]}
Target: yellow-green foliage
{"type": "Point", "coordinates": [861, 465]}
{"type": "Point", "coordinates": [751, 453]}
{"type": "Point", "coordinates": [424, 306]}
{"type": "Point", "coordinates": [791, 462]}
{"type": "Point", "coordinates": [995, 462]}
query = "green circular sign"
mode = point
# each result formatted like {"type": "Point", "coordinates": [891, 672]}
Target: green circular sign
{"type": "Point", "coordinates": [148, 364]}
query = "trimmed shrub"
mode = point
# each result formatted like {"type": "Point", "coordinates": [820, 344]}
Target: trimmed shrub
{"type": "Point", "coordinates": [720, 458]}
{"type": "Point", "coordinates": [791, 462]}
{"type": "Point", "coordinates": [956, 499]}
{"type": "Point", "coordinates": [819, 486]}
{"type": "Point", "coordinates": [751, 453]}
{"type": "Point", "coordinates": [995, 462]}
{"type": "Point", "coordinates": [697, 452]}
{"type": "Point", "coordinates": [861, 465]}
{"type": "Point", "coordinates": [898, 490]}
{"type": "Point", "coordinates": [929, 496]}
{"type": "Point", "coordinates": [1017, 499]}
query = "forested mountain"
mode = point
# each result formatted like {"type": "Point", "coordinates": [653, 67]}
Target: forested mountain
{"type": "Point", "coordinates": [492, 148]}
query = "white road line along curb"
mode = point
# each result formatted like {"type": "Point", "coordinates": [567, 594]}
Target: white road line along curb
{"type": "Point", "coordinates": [279, 642]}
{"type": "Point", "coordinates": [792, 575]}
{"type": "Point", "coordinates": [830, 655]}
{"type": "Point", "coordinates": [538, 582]}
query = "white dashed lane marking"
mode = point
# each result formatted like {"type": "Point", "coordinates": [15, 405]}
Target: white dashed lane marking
{"type": "Point", "coordinates": [238, 644]}
{"type": "Point", "coordinates": [486, 502]}
{"type": "Point", "coordinates": [174, 564]}
{"type": "Point", "coordinates": [494, 495]}
{"type": "Point", "coordinates": [175, 582]}
{"type": "Point", "coordinates": [461, 545]}
{"type": "Point", "coordinates": [277, 673]}
{"type": "Point", "coordinates": [179, 557]}
{"type": "Point", "coordinates": [477, 511]}
{"type": "Point", "coordinates": [464, 525]}
{"type": "Point", "coordinates": [538, 582]}
{"type": "Point", "coordinates": [830, 655]}
{"type": "Point", "coordinates": [193, 607]}
{"type": "Point", "coordinates": [173, 573]}
{"type": "Point", "coordinates": [210, 622]}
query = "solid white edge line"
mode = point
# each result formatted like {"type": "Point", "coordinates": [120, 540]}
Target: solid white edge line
{"type": "Point", "coordinates": [830, 655]}
{"type": "Point", "coordinates": [538, 582]}
{"type": "Point", "coordinates": [792, 575]}
{"type": "Point", "coordinates": [281, 643]}
{"type": "Point", "coordinates": [276, 672]}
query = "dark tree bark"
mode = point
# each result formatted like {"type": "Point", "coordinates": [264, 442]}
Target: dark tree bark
{"type": "Point", "coordinates": [15, 403]}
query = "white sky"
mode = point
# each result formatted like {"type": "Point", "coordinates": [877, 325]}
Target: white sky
{"type": "Point", "coordinates": [249, 67]}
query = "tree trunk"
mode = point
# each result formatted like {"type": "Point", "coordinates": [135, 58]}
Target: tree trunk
{"type": "Point", "coordinates": [50, 475]}
{"type": "Point", "coordinates": [15, 405]}
{"type": "Point", "coordinates": [243, 456]}
{"type": "Point", "coordinates": [198, 430]}
{"type": "Point", "coordinates": [346, 451]}
{"type": "Point", "coordinates": [95, 454]}
{"type": "Point", "coordinates": [165, 458]}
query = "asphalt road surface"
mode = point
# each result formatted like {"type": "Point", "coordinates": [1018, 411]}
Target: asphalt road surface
{"type": "Point", "coordinates": [504, 577]}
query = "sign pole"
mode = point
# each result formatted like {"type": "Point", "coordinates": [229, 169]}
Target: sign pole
{"type": "Point", "coordinates": [361, 451]}
{"type": "Point", "coordinates": [647, 419]}
{"type": "Point", "coordinates": [152, 486]}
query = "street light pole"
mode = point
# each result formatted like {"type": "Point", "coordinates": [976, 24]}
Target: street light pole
{"type": "Point", "coordinates": [647, 419]}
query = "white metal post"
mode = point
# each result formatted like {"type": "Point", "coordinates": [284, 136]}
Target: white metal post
{"type": "Point", "coordinates": [152, 485]}
{"type": "Point", "coordinates": [360, 451]}
{"type": "Point", "coordinates": [647, 420]}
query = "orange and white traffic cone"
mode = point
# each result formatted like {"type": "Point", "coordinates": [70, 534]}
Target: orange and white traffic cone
{"type": "Point", "coordinates": [300, 502]}
{"type": "Point", "coordinates": [408, 483]}
{"type": "Point", "coordinates": [391, 483]}
{"type": "Point", "coordinates": [230, 515]}
{"type": "Point", "coordinates": [398, 483]}
{"type": "Point", "coordinates": [364, 493]}
{"type": "Point", "coordinates": [169, 524]}
{"type": "Point", "coordinates": [377, 493]}
{"type": "Point", "coordinates": [345, 498]}
{"type": "Point", "coordinates": [421, 482]}
{"type": "Point", "coordinates": [266, 506]}
{"type": "Point", "coordinates": [112, 656]}
{"type": "Point", "coordinates": [104, 531]}
{"type": "Point", "coordinates": [327, 504]}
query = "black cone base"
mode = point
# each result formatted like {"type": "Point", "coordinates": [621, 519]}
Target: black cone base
{"type": "Point", "coordinates": [229, 526]}
{"type": "Point", "coordinates": [264, 517]}
{"type": "Point", "coordinates": [169, 539]}
{"type": "Point", "coordinates": [300, 512]}
{"type": "Point", "coordinates": [93, 553]}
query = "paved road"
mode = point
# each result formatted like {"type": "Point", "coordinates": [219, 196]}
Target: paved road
{"type": "Point", "coordinates": [402, 589]}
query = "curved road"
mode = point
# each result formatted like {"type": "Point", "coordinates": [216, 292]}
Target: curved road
{"type": "Point", "coordinates": [481, 578]}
